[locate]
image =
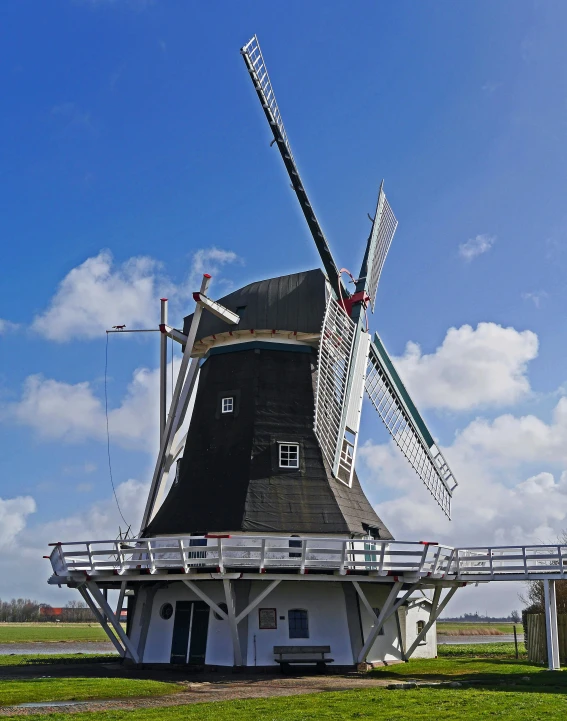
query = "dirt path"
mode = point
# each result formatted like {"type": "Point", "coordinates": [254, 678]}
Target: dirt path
{"type": "Point", "coordinates": [215, 687]}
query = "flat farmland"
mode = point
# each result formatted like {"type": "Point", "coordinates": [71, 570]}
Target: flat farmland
{"type": "Point", "coordinates": [450, 628]}
{"type": "Point", "coordinates": [50, 632]}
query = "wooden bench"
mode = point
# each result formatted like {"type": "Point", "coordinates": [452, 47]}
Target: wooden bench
{"type": "Point", "coordinates": [302, 655]}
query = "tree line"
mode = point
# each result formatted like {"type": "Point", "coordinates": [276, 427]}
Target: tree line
{"type": "Point", "coordinates": [24, 610]}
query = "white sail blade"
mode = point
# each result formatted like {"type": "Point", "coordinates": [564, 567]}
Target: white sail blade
{"type": "Point", "coordinates": [335, 351]}
{"type": "Point", "coordinates": [404, 423]}
{"type": "Point", "coordinates": [383, 229]}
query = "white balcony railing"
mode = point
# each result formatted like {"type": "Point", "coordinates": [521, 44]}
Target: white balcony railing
{"type": "Point", "coordinates": [255, 553]}
{"type": "Point", "coordinates": [302, 555]}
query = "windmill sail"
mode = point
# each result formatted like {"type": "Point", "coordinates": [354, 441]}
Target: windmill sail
{"type": "Point", "coordinates": [383, 229]}
{"type": "Point", "coordinates": [259, 74]}
{"type": "Point", "coordinates": [403, 421]}
{"type": "Point", "coordinates": [335, 352]}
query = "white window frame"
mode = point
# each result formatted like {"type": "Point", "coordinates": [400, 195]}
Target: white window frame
{"type": "Point", "coordinates": [419, 623]}
{"type": "Point", "coordinates": [281, 446]}
{"type": "Point", "coordinates": [227, 399]}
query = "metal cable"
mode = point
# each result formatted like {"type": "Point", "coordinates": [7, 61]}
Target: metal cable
{"type": "Point", "coordinates": [108, 433]}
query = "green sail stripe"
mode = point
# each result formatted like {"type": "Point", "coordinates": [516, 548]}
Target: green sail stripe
{"type": "Point", "coordinates": [417, 419]}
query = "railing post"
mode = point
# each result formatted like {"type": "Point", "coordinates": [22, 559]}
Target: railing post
{"type": "Point", "coordinates": [221, 561]}
{"type": "Point", "coordinates": [151, 556]}
{"type": "Point", "coordinates": [382, 553]}
{"type": "Point", "coordinates": [303, 555]}
{"type": "Point", "coordinates": [263, 555]}
{"type": "Point", "coordinates": [89, 551]}
{"type": "Point", "coordinates": [436, 561]}
{"type": "Point", "coordinates": [183, 559]}
{"type": "Point", "coordinates": [423, 557]}
{"type": "Point", "coordinates": [343, 559]}
{"type": "Point", "coordinates": [120, 554]}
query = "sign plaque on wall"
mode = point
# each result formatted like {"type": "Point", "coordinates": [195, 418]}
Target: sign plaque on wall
{"type": "Point", "coordinates": [267, 618]}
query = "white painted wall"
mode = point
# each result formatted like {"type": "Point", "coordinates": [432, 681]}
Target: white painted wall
{"type": "Point", "coordinates": [427, 648]}
{"type": "Point", "coordinates": [328, 626]}
{"type": "Point", "coordinates": [387, 646]}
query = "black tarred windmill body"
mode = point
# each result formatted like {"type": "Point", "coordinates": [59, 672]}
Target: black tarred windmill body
{"type": "Point", "coordinates": [278, 372]}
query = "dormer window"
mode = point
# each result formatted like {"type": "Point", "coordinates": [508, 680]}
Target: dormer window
{"type": "Point", "coordinates": [227, 404]}
{"type": "Point", "coordinates": [289, 455]}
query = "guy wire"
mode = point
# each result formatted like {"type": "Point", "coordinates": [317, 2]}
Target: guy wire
{"type": "Point", "coordinates": [108, 432]}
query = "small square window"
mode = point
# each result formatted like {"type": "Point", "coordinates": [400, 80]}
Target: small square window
{"type": "Point", "coordinates": [289, 455]}
{"type": "Point", "coordinates": [227, 405]}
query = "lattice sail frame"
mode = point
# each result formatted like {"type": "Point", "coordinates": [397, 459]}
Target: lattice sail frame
{"type": "Point", "coordinates": [256, 66]}
{"type": "Point", "coordinates": [261, 78]}
{"type": "Point", "coordinates": [405, 425]}
{"type": "Point", "coordinates": [335, 354]}
{"type": "Point", "coordinates": [383, 230]}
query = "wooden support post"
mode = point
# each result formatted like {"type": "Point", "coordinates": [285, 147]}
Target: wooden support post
{"type": "Point", "coordinates": [121, 595]}
{"type": "Point", "coordinates": [100, 618]}
{"type": "Point", "coordinates": [551, 630]}
{"type": "Point", "coordinates": [184, 382]}
{"type": "Point", "coordinates": [232, 622]}
{"type": "Point", "coordinates": [98, 596]}
{"type": "Point", "coordinates": [379, 622]}
{"type": "Point", "coordinates": [163, 369]}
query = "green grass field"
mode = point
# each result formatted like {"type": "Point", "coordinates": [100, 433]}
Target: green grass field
{"type": "Point", "coordinates": [373, 705]}
{"type": "Point", "coordinates": [495, 686]}
{"type": "Point", "coordinates": [79, 689]}
{"type": "Point", "coordinates": [498, 649]}
{"type": "Point", "coordinates": [48, 659]}
{"type": "Point", "coordinates": [50, 632]}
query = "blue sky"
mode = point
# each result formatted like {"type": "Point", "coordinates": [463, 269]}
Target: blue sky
{"type": "Point", "coordinates": [131, 129]}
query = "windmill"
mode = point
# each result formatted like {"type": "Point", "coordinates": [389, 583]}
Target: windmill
{"type": "Point", "coordinates": [255, 492]}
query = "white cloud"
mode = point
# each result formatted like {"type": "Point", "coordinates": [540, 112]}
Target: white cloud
{"type": "Point", "coordinates": [512, 474]}
{"type": "Point", "coordinates": [7, 326]}
{"type": "Point", "coordinates": [72, 413]}
{"type": "Point", "coordinates": [95, 295]}
{"type": "Point", "coordinates": [209, 260]}
{"type": "Point", "coordinates": [13, 514]}
{"type": "Point", "coordinates": [99, 293]}
{"type": "Point", "coordinates": [476, 246]}
{"type": "Point", "coordinates": [472, 368]}
{"type": "Point", "coordinates": [100, 520]}
{"type": "Point", "coordinates": [537, 297]}
{"type": "Point", "coordinates": [497, 501]}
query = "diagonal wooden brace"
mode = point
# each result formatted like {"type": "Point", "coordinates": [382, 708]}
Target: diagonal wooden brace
{"type": "Point", "coordinates": [111, 616]}
{"type": "Point", "coordinates": [100, 618]}
{"type": "Point", "coordinates": [384, 613]}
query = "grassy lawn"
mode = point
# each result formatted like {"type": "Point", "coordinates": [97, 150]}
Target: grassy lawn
{"type": "Point", "coordinates": [498, 649]}
{"type": "Point", "coordinates": [79, 689]}
{"type": "Point", "coordinates": [55, 658]}
{"type": "Point", "coordinates": [477, 629]}
{"type": "Point", "coordinates": [373, 705]}
{"type": "Point", "coordinates": [495, 686]}
{"type": "Point", "coordinates": [50, 632]}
